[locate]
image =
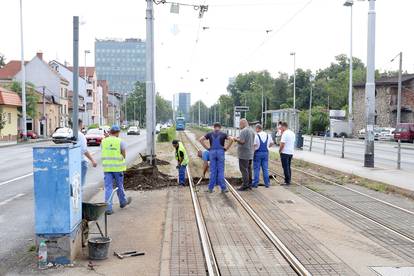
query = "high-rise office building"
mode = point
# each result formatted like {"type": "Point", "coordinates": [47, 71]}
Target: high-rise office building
{"type": "Point", "coordinates": [121, 63]}
{"type": "Point", "coordinates": [182, 105]}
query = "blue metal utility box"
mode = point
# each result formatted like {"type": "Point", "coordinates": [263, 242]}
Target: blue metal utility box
{"type": "Point", "coordinates": [57, 188]}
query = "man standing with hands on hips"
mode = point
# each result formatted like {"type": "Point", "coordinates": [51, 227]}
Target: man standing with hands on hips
{"type": "Point", "coordinates": [245, 153]}
{"type": "Point", "coordinates": [286, 149]}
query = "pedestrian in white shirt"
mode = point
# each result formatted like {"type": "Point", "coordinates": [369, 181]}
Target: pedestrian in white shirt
{"type": "Point", "coordinates": [84, 152]}
{"type": "Point", "coordinates": [286, 149]}
{"type": "Point", "coordinates": [262, 143]}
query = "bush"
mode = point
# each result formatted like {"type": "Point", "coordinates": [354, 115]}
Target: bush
{"type": "Point", "coordinates": [167, 134]}
{"type": "Point", "coordinates": [92, 126]}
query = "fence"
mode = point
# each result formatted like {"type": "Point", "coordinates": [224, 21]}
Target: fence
{"type": "Point", "coordinates": [388, 152]}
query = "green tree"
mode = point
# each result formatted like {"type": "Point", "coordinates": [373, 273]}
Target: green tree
{"type": "Point", "coordinates": [2, 60]}
{"type": "Point", "coordinates": [203, 112]}
{"type": "Point", "coordinates": [32, 97]}
{"type": "Point", "coordinates": [319, 122]}
{"type": "Point", "coordinates": [3, 119]}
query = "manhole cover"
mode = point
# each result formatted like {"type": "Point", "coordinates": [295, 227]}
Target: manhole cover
{"type": "Point", "coordinates": [394, 271]}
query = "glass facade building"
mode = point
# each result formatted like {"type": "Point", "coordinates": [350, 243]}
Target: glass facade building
{"type": "Point", "coordinates": [183, 104]}
{"type": "Point", "coordinates": [121, 63]}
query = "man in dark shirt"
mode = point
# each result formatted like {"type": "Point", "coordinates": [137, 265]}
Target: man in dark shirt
{"type": "Point", "coordinates": [216, 150]}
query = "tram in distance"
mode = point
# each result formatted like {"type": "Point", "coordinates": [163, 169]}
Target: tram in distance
{"type": "Point", "coordinates": [180, 123]}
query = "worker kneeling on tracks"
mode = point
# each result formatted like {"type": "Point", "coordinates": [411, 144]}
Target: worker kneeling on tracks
{"type": "Point", "coordinates": [217, 147]}
{"type": "Point", "coordinates": [262, 143]}
{"type": "Point", "coordinates": [205, 156]}
{"type": "Point", "coordinates": [113, 162]}
{"type": "Point", "coordinates": [182, 159]}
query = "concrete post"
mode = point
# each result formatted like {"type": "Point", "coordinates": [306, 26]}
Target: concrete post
{"type": "Point", "coordinates": [150, 84]}
{"type": "Point", "coordinates": [324, 145]}
{"type": "Point", "coordinates": [370, 89]}
{"type": "Point", "coordinates": [343, 147]}
{"type": "Point", "coordinates": [311, 142]}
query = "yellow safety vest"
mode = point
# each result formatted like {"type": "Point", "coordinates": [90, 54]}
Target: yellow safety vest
{"type": "Point", "coordinates": [112, 159]}
{"type": "Point", "coordinates": [177, 154]}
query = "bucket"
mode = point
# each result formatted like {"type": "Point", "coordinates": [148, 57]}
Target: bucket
{"type": "Point", "coordinates": [98, 248]}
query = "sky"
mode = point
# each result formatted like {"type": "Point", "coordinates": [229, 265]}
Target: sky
{"type": "Point", "coordinates": [231, 37]}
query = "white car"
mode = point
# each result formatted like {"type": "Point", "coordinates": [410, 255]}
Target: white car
{"type": "Point", "coordinates": [157, 128]}
{"type": "Point", "coordinates": [62, 135]}
{"type": "Point", "coordinates": [386, 134]}
{"type": "Point", "coordinates": [361, 134]}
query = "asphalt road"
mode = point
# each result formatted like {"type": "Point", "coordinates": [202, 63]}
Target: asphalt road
{"type": "Point", "coordinates": [385, 151]}
{"type": "Point", "coordinates": [16, 193]}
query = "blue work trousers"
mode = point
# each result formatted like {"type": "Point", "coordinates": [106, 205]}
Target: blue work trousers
{"type": "Point", "coordinates": [109, 178]}
{"type": "Point", "coordinates": [84, 170]}
{"type": "Point", "coordinates": [286, 159]}
{"type": "Point", "coordinates": [181, 174]}
{"type": "Point", "coordinates": [216, 169]}
{"type": "Point", "coordinates": [261, 160]}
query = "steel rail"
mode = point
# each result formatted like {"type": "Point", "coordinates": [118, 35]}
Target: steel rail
{"type": "Point", "coordinates": [284, 251]}
{"type": "Point", "coordinates": [355, 191]}
{"type": "Point", "coordinates": [209, 256]}
{"type": "Point", "coordinates": [350, 189]}
{"type": "Point", "coordinates": [375, 221]}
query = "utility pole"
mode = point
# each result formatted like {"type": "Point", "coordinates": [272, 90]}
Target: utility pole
{"type": "Point", "coordinates": [310, 108]}
{"type": "Point", "coordinates": [125, 112]}
{"type": "Point", "coordinates": [350, 3]}
{"type": "Point", "coordinates": [75, 104]}
{"type": "Point", "coordinates": [150, 84]}
{"type": "Point", "coordinates": [261, 118]}
{"type": "Point", "coordinates": [23, 70]}
{"type": "Point", "coordinates": [134, 112]}
{"type": "Point", "coordinates": [370, 89]}
{"type": "Point", "coordinates": [294, 79]}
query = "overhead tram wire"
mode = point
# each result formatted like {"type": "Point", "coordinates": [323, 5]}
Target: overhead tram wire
{"type": "Point", "coordinates": [274, 32]}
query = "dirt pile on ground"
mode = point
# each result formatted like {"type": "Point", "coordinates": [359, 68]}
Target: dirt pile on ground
{"type": "Point", "coordinates": [142, 177]}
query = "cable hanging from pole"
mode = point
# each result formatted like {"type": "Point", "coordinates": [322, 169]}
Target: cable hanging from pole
{"type": "Point", "coordinates": [200, 8]}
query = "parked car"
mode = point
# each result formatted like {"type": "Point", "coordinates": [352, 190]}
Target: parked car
{"type": "Point", "coordinates": [361, 134]}
{"type": "Point", "coordinates": [62, 135]}
{"type": "Point", "coordinates": [157, 128]}
{"type": "Point", "coordinates": [30, 135]}
{"type": "Point", "coordinates": [94, 136]}
{"type": "Point", "coordinates": [133, 130]}
{"type": "Point", "coordinates": [404, 132]}
{"type": "Point", "coordinates": [386, 134]}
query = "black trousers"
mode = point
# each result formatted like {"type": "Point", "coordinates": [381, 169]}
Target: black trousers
{"type": "Point", "coordinates": [286, 159]}
{"type": "Point", "coordinates": [245, 167]}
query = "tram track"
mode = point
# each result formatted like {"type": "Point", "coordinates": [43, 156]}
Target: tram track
{"type": "Point", "coordinates": [209, 253]}
{"type": "Point", "coordinates": [395, 216]}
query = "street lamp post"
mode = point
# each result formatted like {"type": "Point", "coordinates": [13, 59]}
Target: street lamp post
{"type": "Point", "coordinates": [23, 70]}
{"type": "Point", "coordinates": [350, 3]}
{"type": "Point", "coordinates": [310, 106]}
{"type": "Point", "coordinates": [370, 89]}
{"type": "Point", "coordinates": [294, 79]}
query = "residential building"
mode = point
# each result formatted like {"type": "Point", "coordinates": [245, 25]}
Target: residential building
{"type": "Point", "coordinates": [120, 62]}
{"type": "Point", "coordinates": [386, 95]}
{"type": "Point", "coordinates": [114, 108]}
{"type": "Point", "coordinates": [104, 105]}
{"type": "Point", "coordinates": [91, 99]}
{"type": "Point", "coordinates": [40, 74]}
{"type": "Point", "coordinates": [46, 125]}
{"type": "Point", "coordinates": [9, 104]}
{"type": "Point", "coordinates": [67, 73]}
{"type": "Point", "coordinates": [182, 105]}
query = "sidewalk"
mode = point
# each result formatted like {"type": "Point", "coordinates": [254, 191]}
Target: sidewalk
{"type": "Point", "coordinates": [4, 144]}
{"type": "Point", "coordinates": [398, 178]}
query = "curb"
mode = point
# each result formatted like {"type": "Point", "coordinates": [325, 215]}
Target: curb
{"type": "Point", "coordinates": [26, 143]}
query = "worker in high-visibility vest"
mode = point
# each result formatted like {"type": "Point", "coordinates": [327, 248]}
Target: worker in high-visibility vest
{"type": "Point", "coordinates": [182, 160]}
{"type": "Point", "coordinates": [113, 162]}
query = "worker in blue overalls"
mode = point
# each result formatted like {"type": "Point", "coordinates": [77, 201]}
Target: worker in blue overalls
{"type": "Point", "coordinates": [262, 143]}
{"type": "Point", "coordinates": [216, 149]}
